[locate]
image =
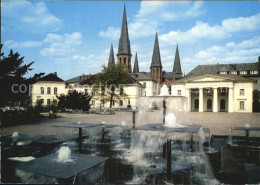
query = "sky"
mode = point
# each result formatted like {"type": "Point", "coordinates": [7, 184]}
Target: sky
{"type": "Point", "coordinates": [74, 37]}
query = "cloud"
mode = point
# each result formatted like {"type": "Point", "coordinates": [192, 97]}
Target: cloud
{"type": "Point", "coordinates": [61, 44]}
{"type": "Point", "coordinates": [153, 14]}
{"type": "Point", "coordinates": [29, 17]}
{"type": "Point", "coordinates": [205, 31]}
{"type": "Point", "coordinates": [26, 44]}
{"type": "Point", "coordinates": [242, 23]}
{"type": "Point", "coordinates": [226, 54]}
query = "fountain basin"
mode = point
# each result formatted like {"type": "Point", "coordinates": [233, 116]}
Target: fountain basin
{"type": "Point", "coordinates": [49, 166]}
{"type": "Point", "coordinates": [160, 127]}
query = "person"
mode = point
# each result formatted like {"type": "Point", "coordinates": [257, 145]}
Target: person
{"type": "Point", "coordinates": [51, 114]}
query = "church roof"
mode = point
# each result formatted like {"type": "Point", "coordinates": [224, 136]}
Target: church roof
{"type": "Point", "coordinates": [111, 60]}
{"type": "Point", "coordinates": [51, 77]}
{"type": "Point", "coordinates": [156, 59]}
{"type": "Point", "coordinates": [136, 66]}
{"type": "Point", "coordinates": [177, 62]}
{"type": "Point", "coordinates": [141, 76]}
{"type": "Point", "coordinates": [124, 42]}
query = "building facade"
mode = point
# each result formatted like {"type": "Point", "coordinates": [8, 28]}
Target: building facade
{"type": "Point", "coordinates": [215, 93]}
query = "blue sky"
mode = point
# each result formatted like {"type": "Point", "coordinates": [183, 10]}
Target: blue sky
{"type": "Point", "coordinates": [74, 37]}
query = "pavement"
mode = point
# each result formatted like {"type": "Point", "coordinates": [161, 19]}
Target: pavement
{"type": "Point", "coordinates": [218, 123]}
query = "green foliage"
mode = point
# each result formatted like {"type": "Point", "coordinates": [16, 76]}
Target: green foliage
{"type": "Point", "coordinates": [74, 100]}
{"type": "Point", "coordinates": [38, 108]}
{"type": "Point", "coordinates": [12, 71]}
{"type": "Point", "coordinates": [111, 78]}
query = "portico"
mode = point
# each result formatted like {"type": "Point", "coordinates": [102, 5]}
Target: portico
{"type": "Point", "coordinates": [215, 93]}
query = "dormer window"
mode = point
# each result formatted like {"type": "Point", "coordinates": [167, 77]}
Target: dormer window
{"type": "Point", "coordinates": [243, 72]}
{"type": "Point", "coordinates": [223, 72]}
{"type": "Point", "coordinates": [253, 72]}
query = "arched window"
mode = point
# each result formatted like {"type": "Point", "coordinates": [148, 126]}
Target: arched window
{"type": "Point", "coordinates": [209, 105]}
{"type": "Point", "coordinates": [124, 60]}
{"type": "Point", "coordinates": [157, 72]}
{"type": "Point", "coordinates": [196, 105]}
{"type": "Point", "coordinates": [120, 60]}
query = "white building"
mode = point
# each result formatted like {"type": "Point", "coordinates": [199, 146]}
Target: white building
{"type": "Point", "coordinates": [47, 88]}
{"type": "Point", "coordinates": [215, 93]}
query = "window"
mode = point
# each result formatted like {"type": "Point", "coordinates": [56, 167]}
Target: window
{"type": "Point", "coordinates": [102, 90]}
{"type": "Point", "coordinates": [129, 102]}
{"type": "Point", "coordinates": [241, 105]}
{"type": "Point", "coordinates": [102, 102]}
{"type": "Point", "coordinates": [86, 91]}
{"type": "Point", "coordinates": [121, 91]}
{"type": "Point", "coordinates": [233, 72]}
{"type": "Point", "coordinates": [42, 101]}
{"type": "Point", "coordinates": [42, 90]}
{"type": "Point", "coordinates": [242, 91]}
{"type": "Point", "coordinates": [113, 103]}
{"type": "Point", "coordinates": [253, 72]}
{"type": "Point", "coordinates": [144, 84]}
{"type": "Point", "coordinates": [179, 92]}
{"type": "Point", "coordinates": [48, 101]}
{"type": "Point", "coordinates": [144, 93]}
{"type": "Point", "coordinates": [55, 90]}
{"type": "Point", "coordinates": [121, 102]}
{"type": "Point", "coordinates": [223, 72]}
{"type": "Point", "coordinates": [93, 102]}
{"type": "Point", "coordinates": [243, 72]}
{"type": "Point", "coordinates": [48, 90]}
{"type": "Point", "coordinates": [124, 60]}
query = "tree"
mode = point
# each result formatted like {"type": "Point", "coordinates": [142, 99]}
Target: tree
{"type": "Point", "coordinates": [12, 72]}
{"type": "Point", "coordinates": [112, 80]}
{"type": "Point", "coordinates": [74, 100]}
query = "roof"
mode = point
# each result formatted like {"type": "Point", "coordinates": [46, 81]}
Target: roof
{"type": "Point", "coordinates": [216, 68]}
{"type": "Point", "coordinates": [124, 42]}
{"type": "Point", "coordinates": [77, 79]}
{"type": "Point", "coordinates": [177, 63]}
{"type": "Point", "coordinates": [51, 77]}
{"type": "Point", "coordinates": [136, 66]}
{"type": "Point", "coordinates": [111, 60]}
{"type": "Point", "coordinates": [132, 80]}
{"type": "Point", "coordinates": [234, 78]}
{"type": "Point", "coordinates": [142, 76]}
{"type": "Point", "coordinates": [156, 59]}
{"type": "Point", "coordinates": [171, 75]}
{"type": "Point", "coordinates": [89, 80]}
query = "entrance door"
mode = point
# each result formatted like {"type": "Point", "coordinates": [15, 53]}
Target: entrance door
{"type": "Point", "coordinates": [196, 105]}
{"type": "Point", "coordinates": [222, 105]}
{"type": "Point", "coordinates": [209, 105]}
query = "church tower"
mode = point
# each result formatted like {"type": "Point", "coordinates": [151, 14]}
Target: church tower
{"type": "Point", "coordinates": [111, 60]}
{"type": "Point", "coordinates": [124, 51]}
{"type": "Point", "coordinates": [136, 66]}
{"type": "Point", "coordinates": [156, 65]}
{"type": "Point", "coordinates": [177, 64]}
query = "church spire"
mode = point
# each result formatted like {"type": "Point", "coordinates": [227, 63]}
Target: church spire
{"type": "Point", "coordinates": [177, 62]}
{"type": "Point", "coordinates": [124, 42]}
{"type": "Point", "coordinates": [136, 67]}
{"type": "Point", "coordinates": [156, 60]}
{"type": "Point", "coordinates": [111, 60]}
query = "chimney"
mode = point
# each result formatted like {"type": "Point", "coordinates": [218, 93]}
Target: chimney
{"type": "Point", "coordinates": [55, 73]}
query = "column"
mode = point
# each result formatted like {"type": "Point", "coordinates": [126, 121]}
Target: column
{"type": "Point", "coordinates": [230, 99]}
{"type": "Point", "coordinates": [215, 100]}
{"type": "Point", "coordinates": [189, 99]}
{"type": "Point", "coordinates": [201, 100]}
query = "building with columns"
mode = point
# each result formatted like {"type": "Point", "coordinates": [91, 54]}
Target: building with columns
{"type": "Point", "coordinates": [215, 93]}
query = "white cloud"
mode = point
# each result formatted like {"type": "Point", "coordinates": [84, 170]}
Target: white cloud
{"type": "Point", "coordinates": [27, 44]}
{"type": "Point", "coordinates": [152, 14]}
{"type": "Point", "coordinates": [203, 30]}
{"type": "Point", "coordinates": [241, 23]}
{"type": "Point", "coordinates": [113, 33]}
{"type": "Point", "coordinates": [61, 44]}
{"type": "Point", "coordinates": [29, 16]}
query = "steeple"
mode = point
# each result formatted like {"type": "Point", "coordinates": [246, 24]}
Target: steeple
{"type": "Point", "coordinates": [124, 52]}
{"type": "Point", "coordinates": [124, 42]}
{"type": "Point", "coordinates": [111, 60]}
{"type": "Point", "coordinates": [156, 60]}
{"type": "Point", "coordinates": [136, 67]}
{"type": "Point", "coordinates": [177, 62]}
